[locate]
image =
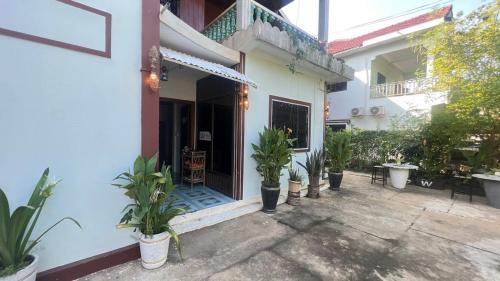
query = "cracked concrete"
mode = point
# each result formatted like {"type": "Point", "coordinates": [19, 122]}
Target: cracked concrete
{"type": "Point", "coordinates": [362, 232]}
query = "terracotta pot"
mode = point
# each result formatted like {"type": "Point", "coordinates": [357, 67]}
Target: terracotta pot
{"type": "Point", "coordinates": [294, 186]}
{"type": "Point", "coordinates": [26, 274]}
{"type": "Point", "coordinates": [154, 250]}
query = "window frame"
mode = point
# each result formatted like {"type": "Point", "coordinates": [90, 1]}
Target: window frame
{"type": "Point", "coordinates": [335, 86]}
{"type": "Point", "coordinates": [381, 76]}
{"type": "Point", "coordinates": [273, 98]}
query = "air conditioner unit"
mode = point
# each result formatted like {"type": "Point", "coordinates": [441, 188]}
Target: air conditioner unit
{"type": "Point", "coordinates": [357, 111]}
{"type": "Point", "coordinates": [377, 110]}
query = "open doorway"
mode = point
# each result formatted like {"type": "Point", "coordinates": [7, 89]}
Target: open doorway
{"type": "Point", "coordinates": [176, 132]}
{"type": "Point", "coordinates": [215, 116]}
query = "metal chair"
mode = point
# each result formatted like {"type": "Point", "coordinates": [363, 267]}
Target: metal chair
{"type": "Point", "coordinates": [379, 173]}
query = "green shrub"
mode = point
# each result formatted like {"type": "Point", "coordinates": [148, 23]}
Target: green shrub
{"type": "Point", "coordinates": [338, 150]}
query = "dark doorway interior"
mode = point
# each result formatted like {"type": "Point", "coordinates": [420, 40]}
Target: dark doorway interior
{"type": "Point", "coordinates": [176, 132]}
{"type": "Point", "coordinates": [216, 110]}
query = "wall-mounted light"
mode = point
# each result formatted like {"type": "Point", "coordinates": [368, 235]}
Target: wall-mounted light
{"type": "Point", "coordinates": [154, 57]}
{"type": "Point", "coordinates": [327, 110]}
{"type": "Point", "coordinates": [244, 97]}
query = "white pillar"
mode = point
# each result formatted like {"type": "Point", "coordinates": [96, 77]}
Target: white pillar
{"type": "Point", "coordinates": [243, 8]}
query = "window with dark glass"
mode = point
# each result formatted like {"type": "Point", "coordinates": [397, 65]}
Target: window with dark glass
{"type": "Point", "coordinates": [293, 117]}
{"type": "Point", "coordinates": [380, 78]}
{"type": "Point", "coordinates": [337, 87]}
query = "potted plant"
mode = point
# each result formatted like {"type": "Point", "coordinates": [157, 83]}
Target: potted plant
{"type": "Point", "coordinates": [16, 260]}
{"type": "Point", "coordinates": [151, 210]}
{"type": "Point", "coordinates": [294, 185]}
{"type": "Point", "coordinates": [313, 166]}
{"type": "Point", "coordinates": [338, 153]}
{"type": "Point", "coordinates": [272, 154]}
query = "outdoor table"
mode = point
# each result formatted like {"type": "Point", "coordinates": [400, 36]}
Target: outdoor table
{"type": "Point", "coordinates": [399, 173]}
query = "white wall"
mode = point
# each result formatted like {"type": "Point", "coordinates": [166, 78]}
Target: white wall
{"type": "Point", "coordinates": [358, 93]}
{"type": "Point", "coordinates": [276, 79]}
{"type": "Point", "coordinates": [180, 85]}
{"type": "Point", "coordinates": [78, 114]}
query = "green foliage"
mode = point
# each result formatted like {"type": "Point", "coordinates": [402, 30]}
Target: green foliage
{"type": "Point", "coordinates": [294, 175]}
{"type": "Point", "coordinates": [314, 163]}
{"type": "Point", "coordinates": [152, 209]}
{"type": "Point", "coordinates": [272, 154]}
{"type": "Point", "coordinates": [375, 147]}
{"type": "Point", "coordinates": [16, 229]}
{"type": "Point", "coordinates": [338, 150]}
{"type": "Point", "coordinates": [466, 62]}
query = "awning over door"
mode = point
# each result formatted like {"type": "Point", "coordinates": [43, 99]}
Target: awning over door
{"type": "Point", "coordinates": [204, 65]}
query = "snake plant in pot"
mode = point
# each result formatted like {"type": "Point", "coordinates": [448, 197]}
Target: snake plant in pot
{"type": "Point", "coordinates": [314, 166]}
{"type": "Point", "coordinates": [272, 154]}
{"type": "Point", "coordinates": [16, 260]}
{"type": "Point", "coordinates": [338, 152]}
{"type": "Point", "coordinates": [151, 210]}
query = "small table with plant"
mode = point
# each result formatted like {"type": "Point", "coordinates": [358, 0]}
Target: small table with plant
{"type": "Point", "coordinates": [399, 173]}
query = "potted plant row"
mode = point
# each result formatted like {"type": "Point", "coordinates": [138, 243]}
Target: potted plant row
{"type": "Point", "coordinates": [314, 167]}
{"type": "Point", "coordinates": [338, 152]}
{"type": "Point", "coordinates": [271, 154]}
{"type": "Point", "coordinates": [151, 211]}
{"type": "Point", "coordinates": [17, 262]}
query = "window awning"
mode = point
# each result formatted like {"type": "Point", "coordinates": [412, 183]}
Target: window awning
{"type": "Point", "coordinates": [205, 66]}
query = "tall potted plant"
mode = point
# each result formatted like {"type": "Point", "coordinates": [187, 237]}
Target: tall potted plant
{"type": "Point", "coordinates": [16, 260]}
{"type": "Point", "coordinates": [272, 154]}
{"type": "Point", "coordinates": [338, 153]}
{"type": "Point", "coordinates": [314, 166]}
{"type": "Point", "coordinates": [151, 210]}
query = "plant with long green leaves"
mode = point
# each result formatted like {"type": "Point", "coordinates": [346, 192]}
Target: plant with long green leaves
{"type": "Point", "coordinates": [314, 163]}
{"type": "Point", "coordinates": [150, 189]}
{"type": "Point", "coordinates": [294, 175]}
{"type": "Point", "coordinates": [272, 154]}
{"type": "Point", "coordinates": [16, 229]}
{"type": "Point", "coordinates": [338, 150]}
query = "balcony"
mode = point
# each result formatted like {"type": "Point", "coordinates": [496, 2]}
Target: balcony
{"type": "Point", "coordinates": [247, 25]}
{"type": "Point", "coordinates": [402, 88]}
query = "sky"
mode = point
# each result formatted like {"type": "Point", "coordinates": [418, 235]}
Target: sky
{"type": "Point", "coordinates": [348, 13]}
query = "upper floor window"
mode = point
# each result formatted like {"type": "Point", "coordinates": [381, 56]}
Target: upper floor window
{"type": "Point", "coordinates": [294, 117]}
{"type": "Point", "coordinates": [337, 87]}
{"type": "Point", "coordinates": [380, 78]}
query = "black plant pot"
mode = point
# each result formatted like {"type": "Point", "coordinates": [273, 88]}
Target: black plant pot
{"type": "Point", "coordinates": [270, 195]}
{"type": "Point", "coordinates": [335, 180]}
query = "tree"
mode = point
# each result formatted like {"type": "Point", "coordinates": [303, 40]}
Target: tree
{"type": "Point", "coordinates": [466, 63]}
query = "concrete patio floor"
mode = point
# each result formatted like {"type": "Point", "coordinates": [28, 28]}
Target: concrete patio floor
{"type": "Point", "coordinates": [362, 232]}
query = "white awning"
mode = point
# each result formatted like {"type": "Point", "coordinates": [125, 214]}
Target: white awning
{"type": "Point", "coordinates": [206, 66]}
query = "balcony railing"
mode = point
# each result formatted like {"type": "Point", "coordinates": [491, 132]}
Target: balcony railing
{"type": "Point", "coordinates": [402, 88]}
{"type": "Point", "coordinates": [258, 11]}
{"type": "Point", "coordinates": [223, 26]}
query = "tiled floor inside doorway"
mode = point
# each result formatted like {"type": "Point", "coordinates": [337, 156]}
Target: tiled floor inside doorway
{"type": "Point", "coordinates": [197, 198]}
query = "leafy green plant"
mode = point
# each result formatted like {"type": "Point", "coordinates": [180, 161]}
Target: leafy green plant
{"type": "Point", "coordinates": [294, 175]}
{"type": "Point", "coordinates": [16, 229]}
{"type": "Point", "coordinates": [272, 154]}
{"type": "Point", "coordinates": [338, 150]}
{"type": "Point", "coordinates": [152, 209]}
{"type": "Point", "coordinates": [314, 163]}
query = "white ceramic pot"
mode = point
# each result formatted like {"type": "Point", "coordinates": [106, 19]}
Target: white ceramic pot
{"type": "Point", "coordinates": [294, 186]}
{"type": "Point", "coordinates": [26, 274]}
{"type": "Point", "coordinates": [492, 190]}
{"type": "Point", "coordinates": [399, 177]}
{"type": "Point", "coordinates": [154, 250]}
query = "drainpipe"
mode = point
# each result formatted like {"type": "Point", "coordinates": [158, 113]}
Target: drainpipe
{"type": "Point", "coordinates": [323, 21]}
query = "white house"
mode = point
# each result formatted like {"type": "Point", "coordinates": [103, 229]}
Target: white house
{"type": "Point", "coordinates": [79, 93]}
{"type": "Point", "coordinates": [386, 84]}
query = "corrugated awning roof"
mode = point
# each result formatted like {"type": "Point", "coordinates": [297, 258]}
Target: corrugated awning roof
{"type": "Point", "coordinates": [205, 66]}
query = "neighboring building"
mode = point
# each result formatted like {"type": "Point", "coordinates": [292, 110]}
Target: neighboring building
{"type": "Point", "coordinates": [79, 95]}
{"type": "Point", "coordinates": [386, 85]}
